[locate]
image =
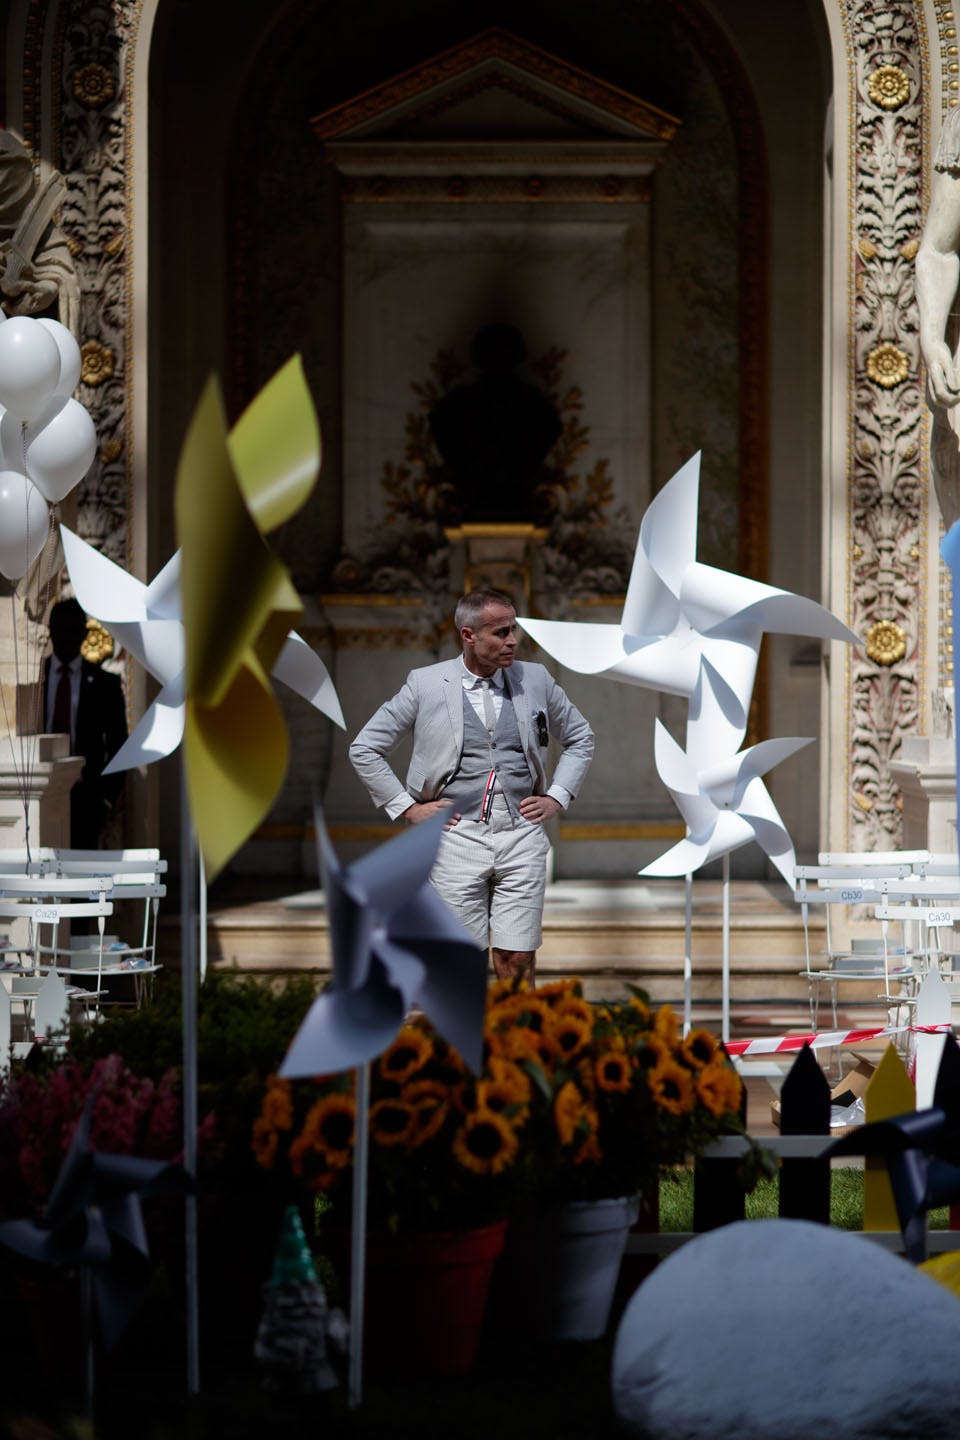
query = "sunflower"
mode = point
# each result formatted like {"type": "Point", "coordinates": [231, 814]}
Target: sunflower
{"type": "Point", "coordinates": [393, 1122]}
{"type": "Point", "coordinates": [672, 1087]}
{"type": "Point", "coordinates": [561, 989]}
{"type": "Point", "coordinates": [322, 1179]}
{"type": "Point", "coordinates": [486, 1143]}
{"type": "Point", "coordinates": [508, 1074]}
{"type": "Point", "coordinates": [528, 1010]}
{"type": "Point", "coordinates": [613, 1071]}
{"type": "Point", "coordinates": [265, 1142]}
{"type": "Point", "coordinates": [431, 1105]}
{"type": "Point", "coordinates": [666, 1025]}
{"type": "Point", "coordinates": [277, 1108]}
{"type": "Point", "coordinates": [409, 1052]}
{"type": "Point", "coordinates": [699, 1048]}
{"type": "Point", "coordinates": [651, 1053]}
{"type": "Point", "coordinates": [515, 1044]}
{"type": "Point", "coordinates": [566, 1035]}
{"type": "Point", "coordinates": [719, 1088]}
{"type": "Point", "coordinates": [495, 1095]}
{"type": "Point", "coordinates": [499, 990]}
{"type": "Point", "coordinates": [572, 1114]}
{"type": "Point", "coordinates": [328, 1129]}
{"type": "Point", "coordinates": [574, 1006]}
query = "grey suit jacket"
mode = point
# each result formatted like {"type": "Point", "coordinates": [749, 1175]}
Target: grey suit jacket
{"type": "Point", "coordinates": [430, 705]}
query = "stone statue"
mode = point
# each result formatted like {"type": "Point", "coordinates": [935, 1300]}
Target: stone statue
{"type": "Point", "coordinates": [494, 434]}
{"type": "Point", "coordinates": [938, 276]}
{"type": "Point", "coordinates": [36, 267]}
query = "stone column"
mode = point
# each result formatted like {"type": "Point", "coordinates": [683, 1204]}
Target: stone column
{"type": "Point", "coordinates": [37, 773]}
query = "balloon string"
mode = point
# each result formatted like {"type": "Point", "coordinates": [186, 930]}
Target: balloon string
{"type": "Point", "coordinates": [18, 775]}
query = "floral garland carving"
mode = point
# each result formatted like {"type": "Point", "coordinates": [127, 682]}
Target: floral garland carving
{"type": "Point", "coordinates": [587, 551]}
{"type": "Point", "coordinates": [886, 479]}
{"type": "Point", "coordinates": [93, 43]}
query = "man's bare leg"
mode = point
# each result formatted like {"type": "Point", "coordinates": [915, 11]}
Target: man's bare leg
{"type": "Point", "coordinates": [511, 964]}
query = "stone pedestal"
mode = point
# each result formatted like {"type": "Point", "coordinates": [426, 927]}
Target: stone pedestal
{"type": "Point", "coordinates": [500, 556]}
{"type": "Point", "coordinates": [926, 773]}
{"type": "Point", "coordinates": [37, 773]}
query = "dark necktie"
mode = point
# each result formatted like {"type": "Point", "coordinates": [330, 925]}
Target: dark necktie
{"type": "Point", "coordinates": [60, 725]}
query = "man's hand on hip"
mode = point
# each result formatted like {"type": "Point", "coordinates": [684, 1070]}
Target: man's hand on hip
{"type": "Point", "coordinates": [416, 813]}
{"type": "Point", "coordinates": [538, 808]}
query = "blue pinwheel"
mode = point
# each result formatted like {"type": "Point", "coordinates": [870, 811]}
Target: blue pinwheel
{"type": "Point", "coordinates": [395, 944]}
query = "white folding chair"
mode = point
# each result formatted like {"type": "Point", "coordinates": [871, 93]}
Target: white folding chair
{"type": "Point", "coordinates": [39, 914]}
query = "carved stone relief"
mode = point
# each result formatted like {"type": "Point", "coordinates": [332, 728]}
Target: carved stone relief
{"type": "Point", "coordinates": [93, 48]}
{"type": "Point", "coordinates": [887, 493]}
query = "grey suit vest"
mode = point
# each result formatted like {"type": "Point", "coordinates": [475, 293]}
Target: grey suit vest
{"type": "Point", "coordinates": [481, 753]}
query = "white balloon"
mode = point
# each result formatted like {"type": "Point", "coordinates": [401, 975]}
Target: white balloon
{"type": "Point", "coordinates": [24, 524]}
{"type": "Point", "coordinates": [12, 442]}
{"type": "Point", "coordinates": [29, 366]}
{"type": "Point", "coordinates": [61, 445]}
{"type": "Point", "coordinates": [70, 359]}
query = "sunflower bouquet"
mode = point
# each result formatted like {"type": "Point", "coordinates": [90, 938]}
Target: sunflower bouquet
{"type": "Point", "coordinates": [447, 1149]}
{"type": "Point", "coordinates": [624, 1092]}
{"type": "Point", "coordinates": [575, 1101]}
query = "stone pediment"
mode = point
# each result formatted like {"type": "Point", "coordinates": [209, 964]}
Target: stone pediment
{"type": "Point", "coordinates": [493, 88]}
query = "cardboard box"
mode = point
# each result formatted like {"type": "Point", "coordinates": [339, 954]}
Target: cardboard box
{"type": "Point", "coordinates": [855, 1080]}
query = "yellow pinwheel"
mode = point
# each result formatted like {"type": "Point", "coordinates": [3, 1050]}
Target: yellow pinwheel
{"type": "Point", "coordinates": [232, 489]}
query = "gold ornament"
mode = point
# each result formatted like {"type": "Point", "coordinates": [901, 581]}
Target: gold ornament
{"type": "Point", "coordinates": [886, 642]}
{"type": "Point", "coordinates": [98, 643]}
{"type": "Point", "coordinates": [93, 86]}
{"type": "Point", "coordinates": [887, 365]}
{"type": "Point", "coordinates": [96, 363]}
{"type": "Point", "coordinates": [909, 249]}
{"type": "Point", "coordinates": [888, 87]}
{"type": "Point", "coordinates": [866, 247]}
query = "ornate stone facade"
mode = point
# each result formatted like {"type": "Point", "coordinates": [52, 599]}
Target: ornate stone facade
{"type": "Point", "coordinates": [887, 464]}
{"type": "Point", "coordinates": [91, 126]}
{"type": "Point", "coordinates": [884, 98]}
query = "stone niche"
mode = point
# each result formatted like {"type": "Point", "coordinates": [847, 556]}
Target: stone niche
{"type": "Point", "coordinates": [497, 186]}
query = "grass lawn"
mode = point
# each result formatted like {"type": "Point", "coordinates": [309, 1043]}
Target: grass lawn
{"type": "Point", "coordinates": [846, 1200]}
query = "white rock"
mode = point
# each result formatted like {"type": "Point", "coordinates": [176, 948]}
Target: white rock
{"type": "Point", "coordinates": [784, 1330]}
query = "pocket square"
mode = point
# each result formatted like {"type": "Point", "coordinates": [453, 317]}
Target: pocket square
{"type": "Point", "coordinates": [540, 720]}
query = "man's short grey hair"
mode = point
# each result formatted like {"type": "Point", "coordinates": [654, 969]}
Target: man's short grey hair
{"type": "Point", "coordinates": [470, 607]}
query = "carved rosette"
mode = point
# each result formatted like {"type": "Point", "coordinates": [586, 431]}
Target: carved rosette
{"type": "Point", "coordinates": [886, 480]}
{"type": "Point", "coordinates": [92, 121]}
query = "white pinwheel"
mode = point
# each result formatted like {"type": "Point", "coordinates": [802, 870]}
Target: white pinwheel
{"type": "Point", "coordinates": [146, 621]}
{"type": "Point", "coordinates": [687, 628]}
{"type": "Point", "coordinates": [725, 805]}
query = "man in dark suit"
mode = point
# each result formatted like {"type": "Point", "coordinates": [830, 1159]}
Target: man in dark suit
{"type": "Point", "coordinates": [86, 703]}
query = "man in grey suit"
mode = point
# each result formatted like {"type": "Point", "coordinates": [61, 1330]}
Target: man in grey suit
{"type": "Point", "coordinates": [481, 725]}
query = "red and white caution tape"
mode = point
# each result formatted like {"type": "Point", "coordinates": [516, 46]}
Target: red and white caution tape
{"type": "Point", "coordinates": [826, 1038]}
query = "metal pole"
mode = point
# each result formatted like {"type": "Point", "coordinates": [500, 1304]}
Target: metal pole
{"type": "Point", "coordinates": [188, 977]}
{"type": "Point", "coordinates": [358, 1249]}
{"type": "Point", "coordinates": [688, 958]}
{"type": "Point", "coordinates": [725, 989]}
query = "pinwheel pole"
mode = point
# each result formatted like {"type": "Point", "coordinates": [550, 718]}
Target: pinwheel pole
{"type": "Point", "coordinates": [86, 1319]}
{"type": "Point", "coordinates": [688, 954]}
{"type": "Point", "coordinates": [358, 1241]}
{"type": "Point", "coordinates": [188, 979]}
{"type": "Point", "coordinates": [725, 954]}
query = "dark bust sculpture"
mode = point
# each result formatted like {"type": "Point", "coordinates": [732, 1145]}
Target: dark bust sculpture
{"type": "Point", "coordinates": [495, 433]}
